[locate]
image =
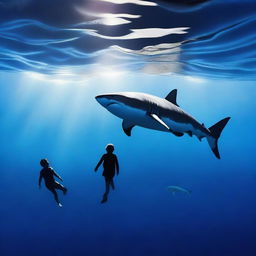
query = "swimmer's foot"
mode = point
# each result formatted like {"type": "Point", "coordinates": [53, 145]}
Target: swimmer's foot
{"type": "Point", "coordinates": [104, 199]}
{"type": "Point", "coordinates": [59, 204]}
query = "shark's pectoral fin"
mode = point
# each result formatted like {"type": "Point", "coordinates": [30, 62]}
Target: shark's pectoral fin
{"type": "Point", "coordinates": [127, 127]}
{"type": "Point", "coordinates": [160, 121]}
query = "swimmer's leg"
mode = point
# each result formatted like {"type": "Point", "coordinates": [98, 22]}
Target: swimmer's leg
{"type": "Point", "coordinates": [112, 184]}
{"type": "Point", "coordinates": [105, 196]}
{"type": "Point", "coordinates": [55, 196]}
{"type": "Point", "coordinates": [60, 187]}
{"type": "Point", "coordinates": [107, 183]}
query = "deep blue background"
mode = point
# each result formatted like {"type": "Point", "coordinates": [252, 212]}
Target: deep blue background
{"type": "Point", "coordinates": [64, 123]}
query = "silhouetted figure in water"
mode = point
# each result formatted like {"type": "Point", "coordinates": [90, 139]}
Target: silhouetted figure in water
{"type": "Point", "coordinates": [47, 173]}
{"type": "Point", "coordinates": [110, 165]}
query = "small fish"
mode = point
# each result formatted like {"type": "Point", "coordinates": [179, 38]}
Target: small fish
{"type": "Point", "coordinates": [175, 189]}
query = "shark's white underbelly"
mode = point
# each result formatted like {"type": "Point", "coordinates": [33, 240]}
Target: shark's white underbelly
{"type": "Point", "coordinates": [140, 117]}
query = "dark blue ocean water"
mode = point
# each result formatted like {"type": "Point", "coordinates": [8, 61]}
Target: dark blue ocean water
{"type": "Point", "coordinates": [56, 56]}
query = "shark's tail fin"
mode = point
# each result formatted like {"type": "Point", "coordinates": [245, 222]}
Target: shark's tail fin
{"type": "Point", "coordinates": [215, 134]}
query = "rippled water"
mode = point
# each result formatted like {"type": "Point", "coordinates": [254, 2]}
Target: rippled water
{"type": "Point", "coordinates": [197, 38]}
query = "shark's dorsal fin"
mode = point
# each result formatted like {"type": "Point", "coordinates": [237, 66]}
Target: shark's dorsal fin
{"type": "Point", "coordinates": [172, 96]}
{"type": "Point", "coordinates": [127, 127]}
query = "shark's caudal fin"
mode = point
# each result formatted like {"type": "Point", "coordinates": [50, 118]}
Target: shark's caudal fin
{"type": "Point", "coordinates": [216, 132]}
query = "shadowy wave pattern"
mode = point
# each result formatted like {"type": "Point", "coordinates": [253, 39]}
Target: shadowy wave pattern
{"type": "Point", "coordinates": [197, 38]}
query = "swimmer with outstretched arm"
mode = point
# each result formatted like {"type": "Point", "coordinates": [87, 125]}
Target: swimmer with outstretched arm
{"type": "Point", "coordinates": [111, 166]}
{"type": "Point", "coordinates": [47, 173]}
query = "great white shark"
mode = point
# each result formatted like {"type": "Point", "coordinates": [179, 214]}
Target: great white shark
{"type": "Point", "coordinates": [162, 114]}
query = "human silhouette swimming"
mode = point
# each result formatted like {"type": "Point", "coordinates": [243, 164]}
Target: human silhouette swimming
{"type": "Point", "coordinates": [110, 165]}
{"type": "Point", "coordinates": [47, 174]}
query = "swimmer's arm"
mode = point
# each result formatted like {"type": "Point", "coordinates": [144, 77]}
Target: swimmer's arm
{"type": "Point", "coordinates": [99, 163]}
{"type": "Point", "coordinates": [57, 175]}
{"type": "Point", "coordinates": [117, 166]}
{"type": "Point", "coordinates": [40, 180]}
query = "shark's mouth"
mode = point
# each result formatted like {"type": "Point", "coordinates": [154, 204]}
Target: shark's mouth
{"type": "Point", "coordinates": [112, 103]}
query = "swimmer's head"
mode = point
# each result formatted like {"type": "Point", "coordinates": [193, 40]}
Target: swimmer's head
{"type": "Point", "coordinates": [44, 163]}
{"type": "Point", "coordinates": [110, 148]}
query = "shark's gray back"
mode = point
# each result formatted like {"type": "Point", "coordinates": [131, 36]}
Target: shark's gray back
{"type": "Point", "coordinates": [156, 105]}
